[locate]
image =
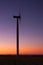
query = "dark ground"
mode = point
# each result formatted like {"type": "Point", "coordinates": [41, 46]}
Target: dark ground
{"type": "Point", "coordinates": [21, 60]}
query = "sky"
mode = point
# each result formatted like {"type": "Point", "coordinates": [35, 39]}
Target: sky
{"type": "Point", "coordinates": [30, 26]}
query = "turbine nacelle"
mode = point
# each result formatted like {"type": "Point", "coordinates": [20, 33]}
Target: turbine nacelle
{"type": "Point", "coordinates": [18, 17]}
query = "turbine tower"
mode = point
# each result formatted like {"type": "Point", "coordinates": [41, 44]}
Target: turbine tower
{"type": "Point", "coordinates": [17, 17]}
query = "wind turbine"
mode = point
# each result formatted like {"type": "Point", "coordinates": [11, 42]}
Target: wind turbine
{"type": "Point", "coordinates": [17, 23]}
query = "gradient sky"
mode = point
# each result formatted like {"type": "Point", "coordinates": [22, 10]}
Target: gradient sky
{"type": "Point", "coordinates": [31, 26]}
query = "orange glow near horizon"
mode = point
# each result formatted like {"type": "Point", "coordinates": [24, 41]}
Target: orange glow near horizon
{"type": "Point", "coordinates": [22, 50]}
{"type": "Point", "coordinates": [7, 51]}
{"type": "Point", "coordinates": [31, 50]}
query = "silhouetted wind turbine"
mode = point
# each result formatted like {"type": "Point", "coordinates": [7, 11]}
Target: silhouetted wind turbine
{"type": "Point", "coordinates": [17, 17]}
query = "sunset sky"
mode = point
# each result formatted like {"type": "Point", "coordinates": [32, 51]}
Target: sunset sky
{"type": "Point", "coordinates": [31, 26]}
